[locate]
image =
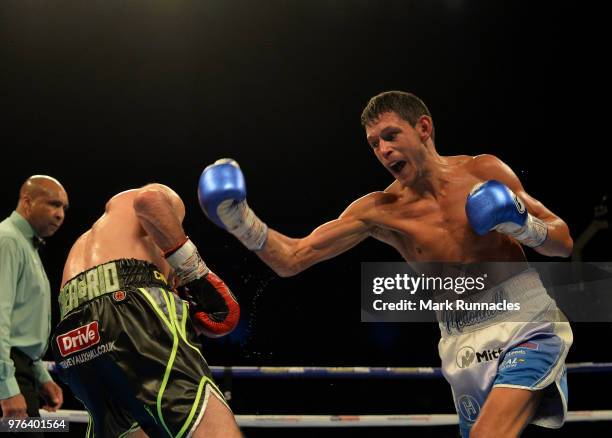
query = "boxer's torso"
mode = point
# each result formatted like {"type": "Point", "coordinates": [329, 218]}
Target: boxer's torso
{"type": "Point", "coordinates": [436, 229]}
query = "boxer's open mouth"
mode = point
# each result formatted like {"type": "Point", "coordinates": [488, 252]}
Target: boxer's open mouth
{"type": "Point", "coordinates": [397, 166]}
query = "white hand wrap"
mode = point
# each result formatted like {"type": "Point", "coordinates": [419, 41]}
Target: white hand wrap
{"type": "Point", "coordinates": [532, 234]}
{"type": "Point", "coordinates": [242, 222]}
{"type": "Point", "coordinates": [187, 263]}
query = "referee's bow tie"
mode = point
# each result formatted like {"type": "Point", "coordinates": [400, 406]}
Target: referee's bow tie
{"type": "Point", "coordinates": [38, 242]}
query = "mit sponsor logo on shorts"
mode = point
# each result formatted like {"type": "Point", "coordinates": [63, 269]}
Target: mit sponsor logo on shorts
{"type": "Point", "coordinates": [88, 355]}
{"type": "Point", "coordinates": [466, 356]}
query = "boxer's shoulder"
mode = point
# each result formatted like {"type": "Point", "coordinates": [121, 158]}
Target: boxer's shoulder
{"type": "Point", "coordinates": [368, 203]}
{"type": "Point", "coordinates": [487, 166]}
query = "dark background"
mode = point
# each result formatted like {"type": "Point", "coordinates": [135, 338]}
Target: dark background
{"type": "Point", "coordinates": [110, 95]}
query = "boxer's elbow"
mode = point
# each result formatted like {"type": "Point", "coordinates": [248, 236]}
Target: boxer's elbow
{"type": "Point", "coordinates": [566, 243]}
{"type": "Point", "coordinates": [289, 268]}
{"type": "Point", "coordinates": [567, 247]}
{"type": "Point", "coordinates": [285, 273]}
{"type": "Point", "coordinates": [558, 247]}
{"type": "Point", "coordinates": [147, 201]}
{"type": "Point", "coordinates": [283, 266]}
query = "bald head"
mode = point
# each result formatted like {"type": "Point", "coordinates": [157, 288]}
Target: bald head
{"type": "Point", "coordinates": [42, 202]}
{"type": "Point", "coordinates": [37, 185]}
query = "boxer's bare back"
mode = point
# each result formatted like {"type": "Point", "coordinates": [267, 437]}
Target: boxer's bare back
{"type": "Point", "coordinates": [119, 234]}
{"type": "Point", "coordinates": [129, 229]}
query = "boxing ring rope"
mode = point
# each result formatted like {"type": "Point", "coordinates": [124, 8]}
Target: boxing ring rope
{"type": "Point", "coordinates": [343, 420]}
{"type": "Point", "coordinates": [356, 372]}
{"type": "Point", "coordinates": [351, 420]}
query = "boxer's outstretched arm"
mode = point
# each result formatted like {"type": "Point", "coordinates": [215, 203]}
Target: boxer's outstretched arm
{"type": "Point", "coordinates": [288, 256]}
{"type": "Point", "coordinates": [558, 241]}
{"type": "Point", "coordinates": [222, 196]}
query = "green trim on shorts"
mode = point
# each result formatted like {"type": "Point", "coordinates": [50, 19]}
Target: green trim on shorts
{"type": "Point", "coordinates": [172, 329]}
{"type": "Point", "coordinates": [177, 325]}
{"type": "Point", "coordinates": [184, 333]}
{"type": "Point", "coordinates": [155, 307]}
{"type": "Point", "coordinates": [194, 407]}
{"type": "Point", "coordinates": [90, 423]}
{"type": "Point", "coordinates": [89, 429]}
{"type": "Point", "coordinates": [133, 427]}
{"type": "Point", "coordinates": [178, 331]}
{"type": "Point", "coordinates": [182, 324]}
{"type": "Point", "coordinates": [184, 329]}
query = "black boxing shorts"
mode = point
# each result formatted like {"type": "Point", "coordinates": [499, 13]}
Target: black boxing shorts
{"type": "Point", "coordinates": [126, 348]}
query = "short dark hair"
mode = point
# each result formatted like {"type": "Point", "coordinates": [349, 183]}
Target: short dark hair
{"type": "Point", "coordinates": [408, 106]}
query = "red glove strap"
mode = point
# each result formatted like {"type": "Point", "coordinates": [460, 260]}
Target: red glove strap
{"type": "Point", "coordinates": [210, 327]}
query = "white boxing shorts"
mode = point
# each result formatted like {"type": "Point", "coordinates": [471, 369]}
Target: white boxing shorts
{"type": "Point", "coordinates": [498, 351]}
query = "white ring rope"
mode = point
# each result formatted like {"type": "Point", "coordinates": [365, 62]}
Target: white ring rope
{"type": "Point", "coordinates": [354, 372]}
{"type": "Point", "coordinates": [351, 420]}
{"type": "Point", "coordinates": [343, 420]}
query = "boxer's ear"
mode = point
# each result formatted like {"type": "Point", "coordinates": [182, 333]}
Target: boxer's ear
{"type": "Point", "coordinates": [424, 126]}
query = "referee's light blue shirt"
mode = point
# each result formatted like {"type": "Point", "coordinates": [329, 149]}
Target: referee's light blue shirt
{"type": "Point", "coordinates": [25, 302]}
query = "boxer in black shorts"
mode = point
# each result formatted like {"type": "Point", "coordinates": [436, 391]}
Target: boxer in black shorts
{"type": "Point", "coordinates": [126, 343]}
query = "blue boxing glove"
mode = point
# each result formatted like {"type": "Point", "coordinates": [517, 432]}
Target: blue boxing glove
{"type": "Point", "coordinates": [222, 196]}
{"type": "Point", "coordinates": [493, 206]}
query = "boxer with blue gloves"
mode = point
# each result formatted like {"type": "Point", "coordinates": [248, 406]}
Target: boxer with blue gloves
{"type": "Point", "coordinates": [450, 209]}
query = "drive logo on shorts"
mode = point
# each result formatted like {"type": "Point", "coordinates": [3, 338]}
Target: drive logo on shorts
{"type": "Point", "coordinates": [78, 339]}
